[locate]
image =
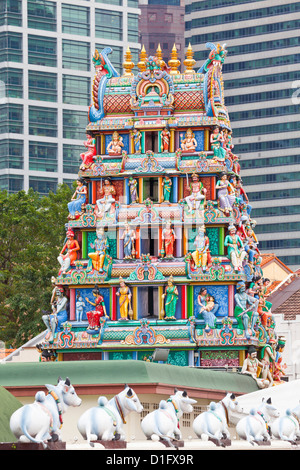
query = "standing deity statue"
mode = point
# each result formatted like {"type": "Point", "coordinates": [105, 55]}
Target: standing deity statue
{"type": "Point", "coordinates": [165, 140]}
{"type": "Point", "coordinates": [78, 200]}
{"type": "Point", "coordinates": [245, 310]}
{"type": "Point", "coordinates": [268, 357]}
{"type": "Point", "coordinates": [100, 246]}
{"type": "Point", "coordinates": [88, 157]}
{"type": "Point", "coordinates": [124, 294]}
{"type": "Point", "coordinates": [170, 297]}
{"type": "Point", "coordinates": [137, 138]}
{"type": "Point", "coordinates": [94, 316]}
{"type": "Point", "coordinates": [189, 143]}
{"type": "Point", "coordinates": [133, 184]}
{"type": "Point", "coordinates": [116, 144]}
{"type": "Point", "coordinates": [235, 248]}
{"type": "Point", "coordinates": [201, 254]}
{"type": "Point", "coordinates": [168, 240]}
{"type": "Point", "coordinates": [68, 253]}
{"type": "Point", "coordinates": [129, 237]}
{"type": "Point", "coordinates": [226, 194]}
{"type": "Point", "coordinates": [198, 193]}
{"type": "Point", "coordinates": [216, 143]}
{"type": "Point", "coordinates": [59, 314]}
{"type": "Point", "coordinates": [105, 205]}
{"type": "Point", "coordinates": [167, 186]}
{"type": "Point", "coordinates": [80, 304]}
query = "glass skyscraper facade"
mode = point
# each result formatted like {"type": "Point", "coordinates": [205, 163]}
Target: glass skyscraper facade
{"type": "Point", "coordinates": [262, 82]}
{"type": "Point", "coordinates": [46, 70]}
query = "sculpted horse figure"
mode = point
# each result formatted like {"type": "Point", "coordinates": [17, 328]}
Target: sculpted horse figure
{"type": "Point", "coordinates": [163, 423]}
{"type": "Point", "coordinates": [41, 421]}
{"type": "Point", "coordinates": [254, 427]}
{"type": "Point", "coordinates": [213, 423]}
{"type": "Point", "coordinates": [105, 421]}
{"type": "Point", "coordinates": [287, 427]}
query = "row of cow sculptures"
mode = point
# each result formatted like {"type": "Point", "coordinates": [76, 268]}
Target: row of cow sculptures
{"type": "Point", "coordinates": [41, 421]}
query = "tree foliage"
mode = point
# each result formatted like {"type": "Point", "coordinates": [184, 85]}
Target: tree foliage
{"type": "Point", "coordinates": [32, 231]}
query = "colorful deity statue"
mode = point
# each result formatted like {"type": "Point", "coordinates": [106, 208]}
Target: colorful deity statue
{"type": "Point", "coordinates": [268, 357]}
{"type": "Point", "coordinates": [133, 184]}
{"type": "Point", "coordinates": [59, 315]}
{"type": "Point", "coordinates": [201, 255]}
{"type": "Point", "coordinates": [116, 144]}
{"type": "Point", "coordinates": [207, 309]}
{"type": "Point", "coordinates": [68, 254]}
{"type": "Point", "coordinates": [129, 237]}
{"type": "Point", "coordinates": [167, 186]}
{"type": "Point", "coordinates": [189, 143]}
{"type": "Point", "coordinates": [137, 141]}
{"type": "Point", "coordinates": [170, 297]}
{"type": "Point", "coordinates": [165, 140]}
{"type": "Point", "coordinates": [80, 304]}
{"type": "Point", "coordinates": [94, 316]}
{"type": "Point", "coordinates": [245, 310]}
{"type": "Point", "coordinates": [217, 143]}
{"type": "Point", "coordinates": [105, 205]}
{"type": "Point", "coordinates": [88, 156]}
{"type": "Point", "coordinates": [124, 294]}
{"type": "Point", "coordinates": [168, 240]}
{"type": "Point", "coordinates": [235, 248]}
{"type": "Point", "coordinates": [198, 193]}
{"type": "Point", "coordinates": [78, 200]}
{"type": "Point", "coordinates": [226, 196]}
{"type": "Point", "coordinates": [101, 245]}
{"type": "Point", "coordinates": [252, 366]}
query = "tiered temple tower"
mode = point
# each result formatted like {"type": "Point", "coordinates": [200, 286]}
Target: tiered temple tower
{"type": "Point", "coordinates": [160, 250]}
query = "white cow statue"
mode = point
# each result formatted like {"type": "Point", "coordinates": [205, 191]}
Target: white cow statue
{"type": "Point", "coordinates": [254, 427]}
{"type": "Point", "coordinates": [163, 423]}
{"type": "Point", "coordinates": [287, 427]}
{"type": "Point", "coordinates": [105, 421]}
{"type": "Point", "coordinates": [213, 423]}
{"type": "Point", "coordinates": [41, 421]}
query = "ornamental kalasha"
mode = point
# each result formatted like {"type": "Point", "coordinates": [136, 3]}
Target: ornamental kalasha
{"type": "Point", "coordinates": [160, 245]}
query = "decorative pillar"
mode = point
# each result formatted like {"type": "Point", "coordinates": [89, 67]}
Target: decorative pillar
{"type": "Point", "coordinates": [160, 189]}
{"type": "Point", "coordinates": [213, 195]}
{"type": "Point", "coordinates": [127, 190]}
{"type": "Point", "coordinates": [134, 302]}
{"type": "Point", "coordinates": [113, 303]}
{"type": "Point", "coordinates": [231, 300]}
{"type": "Point", "coordinates": [103, 149]}
{"type": "Point", "coordinates": [178, 241]}
{"type": "Point", "coordinates": [185, 241]}
{"type": "Point", "coordinates": [172, 140]}
{"type": "Point", "coordinates": [94, 192]}
{"type": "Point", "coordinates": [206, 140]}
{"type": "Point", "coordinates": [120, 244]}
{"type": "Point", "coordinates": [138, 243]}
{"type": "Point", "coordinates": [160, 302]}
{"type": "Point", "coordinates": [184, 302]}
{"type": "Point", "coordinates": [180, 188]}
{"type": "Point", "coordinates": [72, 304]}
{"type": "Point", "coordinates": [141, 191]}
{"type": "Point", "coordinates": [84, 248]}
{"type": "Point", "coordinates": [160, 240]}
{"type": "Point", "coordinates": [190, 301]}
{"type": "Point", "coordinates": [175, 189]}
{"type": "Point", "coordinates": [221, 241]}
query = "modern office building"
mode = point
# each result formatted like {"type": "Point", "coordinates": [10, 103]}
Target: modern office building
{"type": "Point", "coordinates": [262, 81]}
{"type": "Point", "coordinates": [162, 22]}
{"type": "Point", "coordinates": [46, 70]}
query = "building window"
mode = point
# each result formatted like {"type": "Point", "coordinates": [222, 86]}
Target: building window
{"type": "Point", "coordinates": [71, 158]}
{"type": "Point", "coordinates": [76, 55]}
{"type": "Point", "coordinates": [11, 118]}
{"type": "Point", "coordinates": [133, 3]}
{"type": "Point", "coordinates": [11, 12]}
{"type": "Point", "coordinates": [76, 90]}
{"type": "Point", "coordinates": [11, 154]}
{"type": "Point", "coordinates": [116, 57]}
{"type": "Point", "coordinates": [42, 86]}
{"type": "Point", "coordinates": [111, 2]}
{"type": "Point", "coordinates": [42, 121]}
{"type": "Point", "coordinates": [11, 183]}
{"type": "Point", "coordinates": [75, 20]}
{"type": "Point", "coordinates": [109, 24]}
{"type": "Point", "coordinates": [11, 83]}
{"type": "Point", "coordinates": [133, 27]}
{"type": "Point", "coordinates": [42, 156]}
{"type": "Point", "coordinates": [10, 47]}
{"type": "Point", "coordinates": [41, 15]}
{"type": "Point", "coordinates": [43, 185]}
{"type": "Point", "coordinates": [152, 17]}
{"type": "Point", "coordinates": [74, 124]}
{"type": "Point", "coordinates": [168, 17]}
{"type": "Point", "coordinates": [42, 51]}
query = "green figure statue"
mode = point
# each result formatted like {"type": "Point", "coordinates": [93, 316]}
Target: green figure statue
{"type": "Point", "coordinates": [171, 295]}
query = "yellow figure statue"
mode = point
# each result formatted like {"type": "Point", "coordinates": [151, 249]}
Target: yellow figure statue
{"type": "Point", "coordinates": [124, 294]}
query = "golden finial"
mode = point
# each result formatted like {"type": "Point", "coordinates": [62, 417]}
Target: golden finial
{"type": "Point", "coordinates": [142, 63]}
{"type": "Point", "coordinates": [174, 62]}
{"type": "Point", "coordinates": [189, 62]}
{"type": "Point", "coordinates": [160, 57]}
{"type": "Point", "coordinates": [128, 64]}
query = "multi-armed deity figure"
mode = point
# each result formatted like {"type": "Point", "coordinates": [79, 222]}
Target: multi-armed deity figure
{"type": "Point", "coordinates": [105, 205]}
{"type": "Point", "coordinates": [201, 255]}
{"type": "Point", "coordinates": [196, 199]}
{"type": "Point", "coordinates": [116, 144]}
{"type": "Point", "coordinates": [101, 245]}
{"type": "Point", "coordinates": [189, 143]}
